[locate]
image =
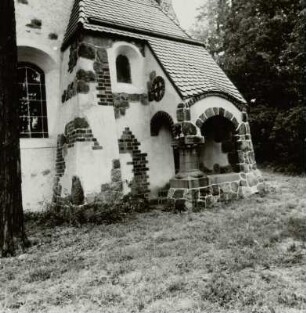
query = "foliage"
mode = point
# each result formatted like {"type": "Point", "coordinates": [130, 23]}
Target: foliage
{"type": "Point", "coordinates": [261, 46]}
{"type": "Point", "coordinates": [114, 210]}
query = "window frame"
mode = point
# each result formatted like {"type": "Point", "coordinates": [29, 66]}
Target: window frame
{"type": "Point", "coordinates": [24, 98]}
{"type": "Point", "coordinates": [123, 71]}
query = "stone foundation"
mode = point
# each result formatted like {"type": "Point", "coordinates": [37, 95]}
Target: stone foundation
{"type": "Point", "coordinates": [219, 188]}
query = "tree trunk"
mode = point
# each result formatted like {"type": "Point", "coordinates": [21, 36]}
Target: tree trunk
{"type": "Point", "coordinates": [11, 212]}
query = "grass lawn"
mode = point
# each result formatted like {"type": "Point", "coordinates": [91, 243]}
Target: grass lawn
{"type": "Point", "coordinates": [246, 256]}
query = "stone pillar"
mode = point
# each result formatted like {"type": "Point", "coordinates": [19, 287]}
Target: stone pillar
{"type": "Point", "coordinates": [189, 175]}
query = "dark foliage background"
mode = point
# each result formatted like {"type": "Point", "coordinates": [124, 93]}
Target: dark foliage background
{"type": "Point", "coordinates": [260, 44]}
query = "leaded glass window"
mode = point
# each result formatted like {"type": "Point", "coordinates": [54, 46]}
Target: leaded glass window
{"type": "Point", "coordinates": [32, 101]}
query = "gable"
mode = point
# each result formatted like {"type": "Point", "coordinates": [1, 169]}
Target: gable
{"type": "Point", "coordinates": [188, 65]}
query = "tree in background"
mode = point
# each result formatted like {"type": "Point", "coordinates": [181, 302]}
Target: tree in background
{"type": "Point", "coordinates": [11, 213]}
{"type": "Point", "coordinates": [261, 46]}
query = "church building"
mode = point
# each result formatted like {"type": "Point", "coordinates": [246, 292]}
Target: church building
{"type": "Point", "coordinates": [115, 97]}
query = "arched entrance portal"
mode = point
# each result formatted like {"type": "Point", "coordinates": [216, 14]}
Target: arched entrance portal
{"type": "Point", "coordinates": [163, 162]}
{"type": "Point", "coordinates": [219, 153]}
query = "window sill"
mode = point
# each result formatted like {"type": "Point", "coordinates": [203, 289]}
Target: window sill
{"type": "Point", "coordinates": [32, 143]}
{"type": "Point", "coordinates": [126, 88]}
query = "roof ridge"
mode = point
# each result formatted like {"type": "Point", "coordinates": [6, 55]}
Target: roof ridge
{"type": "Point", "coordinates": [82, 15]}
{"type": "Point", "coordinates": [176, 23]}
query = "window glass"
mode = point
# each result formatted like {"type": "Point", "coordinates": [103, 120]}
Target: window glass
{"type": "Point", "coordinates": [32, 101]}
{"type": "Point", "coordinates": [123, 69]}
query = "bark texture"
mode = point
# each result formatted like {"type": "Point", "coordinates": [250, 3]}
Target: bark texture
{"type": "Point", "coordinates": [11, 212]}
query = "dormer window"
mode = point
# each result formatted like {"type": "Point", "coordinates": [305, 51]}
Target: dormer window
{"type": "Point", "coordinates": [123, 69]}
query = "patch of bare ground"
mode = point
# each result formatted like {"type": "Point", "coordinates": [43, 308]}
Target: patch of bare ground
{"type": "Point", "coordinates": [245, 256]}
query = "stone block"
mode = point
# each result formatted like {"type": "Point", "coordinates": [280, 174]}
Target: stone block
{"type": "Point", "coordinates": [215, 190]}
{"type": "Point", "coordinates": [199, 123]}
{"type": "Point", "coordinates": [189, 129]}
{"type": "Point", "coordinates": [228, 115]}
{"type": "Point", "coordinates": [252, 180]}
{"type": "Point", "coordinates": [116, 164]}
{"type": "Point", "coordinates": [205, 192]}
{"type": "Point", "coordinates": [82, 87]}
{"type": "Point", "coordinates": [244, 117]}
{"type": "Point", "coordinates": [221, 112]}
{"type": "Point", "coordinates": [102, 55]}
{"type": "Point", "coordinates": [77, 193]}
{"type": "Point", "coordinates": [235, 122]}
{"type": "Point", "coordinates": [180, 115]}
{"type": "Point", "coordinates": [116, 175]}
{"type": "Point", "coordinates": [210, 201]}
{"type": "Point", "coordinates": [86, 52]}
{"type": "Point", "coordinates": [203, 117]}
{"type": "Point", "coordinates": [209, 112]}
{"type": "Point", "coordinates": [242, 129]}
{"type": "Point", "coordinates": [223, 178]}
{"type": "Point", "coordinates": [216, 111]}
{"type": "Point", "coordinates": [226, 188]}
{"type": "Point", "coordinates": [98, 67]}
{"type": "Point", "coordinates": [235, 187]}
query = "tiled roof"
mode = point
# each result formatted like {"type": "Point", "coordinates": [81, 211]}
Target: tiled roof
{"type": "Point", "coordinates": [188, 65]}
{"type": "Point", "coordinates": [192, 69]}
{"type": "Point", "coordinates": [143, 15]}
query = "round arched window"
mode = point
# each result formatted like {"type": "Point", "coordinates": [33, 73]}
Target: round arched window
{"type": "Point", "coordinates": [123, 69]}
{"type": "Point", "coordinates": [32, 101]}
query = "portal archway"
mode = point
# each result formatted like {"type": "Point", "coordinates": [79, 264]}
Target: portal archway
{"type": "Point", "coordinates": [164, 162]}
{"type": "Point", "coordinates": [219, 153]}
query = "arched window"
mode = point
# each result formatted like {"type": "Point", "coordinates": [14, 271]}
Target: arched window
{"type": "Point", "coordinates": [32, 101]}
{"type": "Point", "coordinates": [123, 69]}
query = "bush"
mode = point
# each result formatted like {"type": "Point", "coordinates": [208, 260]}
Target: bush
{"type": "Point", "coordinates": [98, 212]}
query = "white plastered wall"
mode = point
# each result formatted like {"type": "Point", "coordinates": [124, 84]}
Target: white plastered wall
{"type": "Point", "coordinates": [138, 117]}
{"type": "Point", "coordinates": [35, 46]}
{"type": "Point", "coordinates": [38, 154]}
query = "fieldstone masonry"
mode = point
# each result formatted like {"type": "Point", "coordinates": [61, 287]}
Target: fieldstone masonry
{"type": "Point", "coordinates": [222, 187]}
{"type": "Point", "coordinates": [122, 102]}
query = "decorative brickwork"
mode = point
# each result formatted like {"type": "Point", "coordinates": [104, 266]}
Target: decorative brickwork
{"type": "Point", "coordinates": [101, 68]}
{"type": "Point", "coordinates": [241, 106]}
{"type": "Point", "coordinates": [60, 167]}
{"type": "Point", "coordinates": [78, 130]}
{"type": "Point", "coordinates": [158, 120]}
{"type": "Point", "coordinates": [122, 102]}
{"type": "Point", "coordinates": [129, 144]}
{"type": "Point", "coordinates": [216, 111]}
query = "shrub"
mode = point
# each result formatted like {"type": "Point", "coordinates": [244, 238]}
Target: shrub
{"type": "Point", "coordinates": [98, 212]}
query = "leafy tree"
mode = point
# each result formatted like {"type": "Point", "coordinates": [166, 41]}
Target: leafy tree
{"type": "Point", "coordinates": [11, 213]}
{"type": "Point", "coordinates": [261, 46]}
{"type": "Point", "coordinates": [210, 25]}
